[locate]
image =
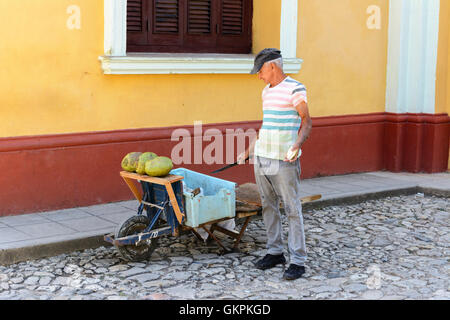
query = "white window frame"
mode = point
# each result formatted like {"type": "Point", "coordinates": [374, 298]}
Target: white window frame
{"type": "Point", "coordinates": [412, 56]}
{"type": "Point", "coordinates": [117, 61]}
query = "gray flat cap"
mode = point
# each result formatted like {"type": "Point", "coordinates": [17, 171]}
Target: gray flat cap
{"type": "Point", "coordinates": [264, 56]}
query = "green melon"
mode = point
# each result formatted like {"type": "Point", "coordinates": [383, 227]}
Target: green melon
{"type": "Point", "coordinates": [158, 167]}
{"type": "Point", "coordinates": [130, 161]}
{"type": "Point", "coordinates": [143, 159]}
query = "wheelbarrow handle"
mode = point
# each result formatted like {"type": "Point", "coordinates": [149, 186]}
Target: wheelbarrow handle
{"type": "Point", "coordinates": [228, 166]}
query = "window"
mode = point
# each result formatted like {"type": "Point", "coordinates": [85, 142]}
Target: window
{"type": "Point", "coordinates": [189, 26]}
{"type": "Point", "coordinates": [116, 59]}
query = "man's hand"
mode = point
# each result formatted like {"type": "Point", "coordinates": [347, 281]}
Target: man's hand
{"type": "Point", "coordinates": [295, 149]}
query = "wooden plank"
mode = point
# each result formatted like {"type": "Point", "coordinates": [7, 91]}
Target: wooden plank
{"type": "Point", "coordinates": [214, 221]}
{"type": "Point", "coordinates": [303, 200]}
{"type": "Point", "coordinates": [174, 202]}
{"type": "Point", "coordinates": [230, 233]}
{"type": "Point", "coordinates": [133, 188]}
{"type": "Point", "coordinates": [157, 180]}
{"type": "Point", "coordinates": [311, 198]}
{"type": "Point", "coordinates": [245, 207]}
{"type": "Point", "coordinates": [246, 214]}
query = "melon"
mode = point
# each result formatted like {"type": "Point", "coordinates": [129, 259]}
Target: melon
{"type": "Point", "coordinates": [146, 156]}
{"type": "Point", "coordinates": [158, 167]}
{"type": "Point", "coordinates": [130, 161]}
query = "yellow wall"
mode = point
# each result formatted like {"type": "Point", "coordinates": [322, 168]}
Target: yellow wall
{"type": "Point", "coordinates": [344, 62]}
{"type": "Point", "coordinates": [442, 72]}
{"type": "Point", "coordinates": [51, 80]}
{"type": "Point", "coordinates": [443, 62]}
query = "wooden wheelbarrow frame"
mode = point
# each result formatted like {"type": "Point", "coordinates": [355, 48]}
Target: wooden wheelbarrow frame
{"type": "Point", "coordinates": [244, 209]}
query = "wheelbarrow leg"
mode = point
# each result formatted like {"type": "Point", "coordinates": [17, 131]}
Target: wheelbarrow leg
{"type": "Point", "coordinates": [231, 233]}
{"type": "Point", "coordinates": [241, 233]}
{"type": "Point", "coordinates": [196, 234]}
{"type": "Point", "coordinates": [215, 239]}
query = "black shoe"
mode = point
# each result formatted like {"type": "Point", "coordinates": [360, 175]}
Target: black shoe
{"type": "Point", "coordinates": [270, 261]}
{"type": "Point", "coordinates": [294, 272]}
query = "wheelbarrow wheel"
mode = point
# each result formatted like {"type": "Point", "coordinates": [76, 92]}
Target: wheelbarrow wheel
{"type": "Point", "coordinates": [141, 251]}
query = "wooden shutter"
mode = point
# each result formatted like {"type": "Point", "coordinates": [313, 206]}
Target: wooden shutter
{"type": "Point", "coordinates": [137, 33]}
{"type": "Point", "coordinates": [165, 26]}
{"type": "Point", "coordinates": [199, 17]}
{"type": "Point", "coordinates": [200, 33]}
{"type": "Point", "coordinates": [135, 22]}
{"type": "Point", "coordinates": [166, 16]}
{"type": "Point", "coordinates": [235, 26]}
{"type": "Point", "coordinates": [216, 26]}
{"type": "Point", "coordinates": [232, 17]}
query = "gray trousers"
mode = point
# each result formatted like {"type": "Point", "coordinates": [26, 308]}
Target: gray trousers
{"type": "Point", "coordinates": [280, 181]}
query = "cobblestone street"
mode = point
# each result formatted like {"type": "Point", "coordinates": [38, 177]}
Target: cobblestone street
{"type": "Point", "coordinates": [393, 248]}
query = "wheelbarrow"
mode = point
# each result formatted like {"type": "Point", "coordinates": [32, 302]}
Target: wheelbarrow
{"type": "Point", "coordinates": [166, 208]}
{"type": "Point", "coordinates": [171, 210]}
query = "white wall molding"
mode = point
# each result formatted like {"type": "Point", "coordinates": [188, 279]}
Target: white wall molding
{"type": "Point", "coordinates": [162, 63]}
{"type": "Point", "coordinates": [116, 60]}
{"type": "Point", "coordinates": [288, 28]}
{"type": "Point", "coordinates": [115, 27]}
{"type": "Point", "coordinates": [412, 56]}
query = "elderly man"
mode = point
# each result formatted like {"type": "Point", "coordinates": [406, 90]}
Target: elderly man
{"type": "Point", "coordinates": [286, 126]}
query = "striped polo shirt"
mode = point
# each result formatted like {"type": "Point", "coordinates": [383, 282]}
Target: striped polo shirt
{"type": "Point", "coordinates": [281, 121]}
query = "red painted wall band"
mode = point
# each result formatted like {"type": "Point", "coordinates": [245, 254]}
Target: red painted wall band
{"type": "Point", "coordinates": [441, 118]}
{"type": "Point", "coordinates": [51, 172]}
{"type": "Point", "coordinates": [129, 135]}
{"type": "Point", "coordinates": [106, 137]}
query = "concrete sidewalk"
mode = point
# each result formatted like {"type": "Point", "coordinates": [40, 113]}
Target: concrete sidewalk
{"type": "Point", "coordinates": [37, 235]}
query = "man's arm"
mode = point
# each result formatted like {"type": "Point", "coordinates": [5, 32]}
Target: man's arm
{"type": "Point", "coordinates": [305, 129]}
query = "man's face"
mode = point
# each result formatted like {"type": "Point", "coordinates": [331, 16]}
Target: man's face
{"type": "Point", "coordinates": [266, 73]}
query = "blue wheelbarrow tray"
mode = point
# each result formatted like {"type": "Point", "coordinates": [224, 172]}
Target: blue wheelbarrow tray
{"type": "Point", "coordinates": [218, 200]}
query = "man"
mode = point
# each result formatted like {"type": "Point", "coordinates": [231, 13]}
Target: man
{"type": "Point", "coordinates": [286, 126]}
